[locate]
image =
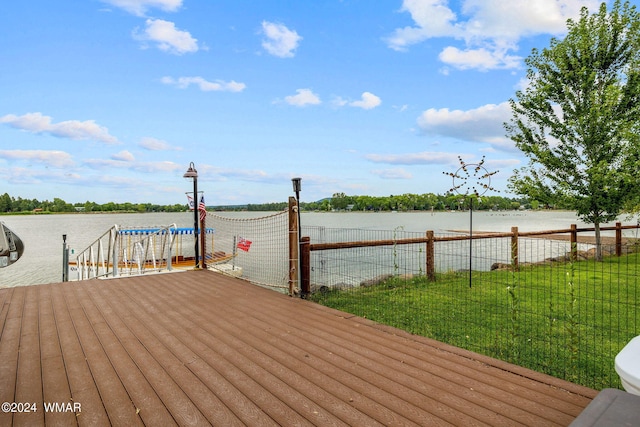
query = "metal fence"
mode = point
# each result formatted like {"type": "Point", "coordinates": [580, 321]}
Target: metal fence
{"type": "Point", "coordinates": [537, 301]}
{"type": "Point", "coordinates": [132, 251]}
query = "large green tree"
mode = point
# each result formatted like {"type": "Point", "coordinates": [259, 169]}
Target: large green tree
{"type": "Point", "coordinates": [578, 119]}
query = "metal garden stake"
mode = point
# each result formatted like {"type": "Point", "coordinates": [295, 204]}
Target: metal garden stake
{"type": "Point", "coordinates": [471, 179]}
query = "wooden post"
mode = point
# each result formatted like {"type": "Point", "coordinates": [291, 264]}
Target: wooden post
{"type": "Point", "coordinates": [574, 242]}
{"type": "Point", "coordinates": [293, 246]}
{"type": "Point", "coordinates": [431, 259]}
{"type": "Point", "coordinates": [515, 262]}
{"type": "Point", "coordinates": [618, 239]}
{"type": "Point", "coordinates": [305, 266]}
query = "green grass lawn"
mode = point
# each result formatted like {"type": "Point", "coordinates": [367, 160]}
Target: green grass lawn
{"type": "Point", "coordinates": [565, 319]}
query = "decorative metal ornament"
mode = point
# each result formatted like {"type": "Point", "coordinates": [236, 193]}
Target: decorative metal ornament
{"type": "Point", "coordinates": [471, 179]}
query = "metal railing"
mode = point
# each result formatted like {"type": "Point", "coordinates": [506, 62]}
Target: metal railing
{"type": "Point", "coordinates": [115, 254]}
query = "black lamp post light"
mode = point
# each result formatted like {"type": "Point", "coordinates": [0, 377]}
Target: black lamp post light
{"type": "Point", "coordinates": [192, 173]}
{"type": "Point", "coordinates": [297, 187]}
{"type": "Point", "coordinates": [471, 179]}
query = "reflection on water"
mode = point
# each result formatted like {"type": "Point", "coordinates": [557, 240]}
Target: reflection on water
{"type": "Point", "coordinates": [42, 234]}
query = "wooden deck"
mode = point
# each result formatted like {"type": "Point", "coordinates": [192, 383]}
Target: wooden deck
{"type": "Point", "coordinates": [200, 348]}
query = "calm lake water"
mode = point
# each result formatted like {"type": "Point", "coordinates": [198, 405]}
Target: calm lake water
{"type": "Point", "coordinates": [42, 234]}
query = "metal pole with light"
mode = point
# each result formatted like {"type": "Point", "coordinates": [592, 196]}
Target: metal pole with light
{"type": "Point", "coordinates": [297, 187]}
{"type": "Point", "coordinates": [192, 173]}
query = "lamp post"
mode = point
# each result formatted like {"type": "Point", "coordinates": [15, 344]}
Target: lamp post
{"type": "Point", "coordinates": [297, 187]}
{"type": "Point", "coordinates": [192, 173]}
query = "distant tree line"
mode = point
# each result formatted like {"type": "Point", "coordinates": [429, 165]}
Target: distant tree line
{"type": "Point", "coordinates": [10, 204]}
{"type": "Point", "coordinates": [338, 202]}
{"type": "Point", "coordinates": [402, 203]}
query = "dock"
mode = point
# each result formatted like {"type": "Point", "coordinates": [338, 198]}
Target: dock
{"type": "Point", "coordinates": [200, 348]}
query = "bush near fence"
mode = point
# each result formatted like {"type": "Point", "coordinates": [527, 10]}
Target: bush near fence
{"type": "Point", "coordinates": [549, 307]}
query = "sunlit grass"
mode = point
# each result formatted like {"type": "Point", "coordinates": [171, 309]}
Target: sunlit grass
{"type": "Point", "coordinates": [565, 319]}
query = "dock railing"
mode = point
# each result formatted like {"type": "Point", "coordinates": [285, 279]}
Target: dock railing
{"type": "Point", "coordinates": [115, 253]}
{"type": "Point", "coordinates": [538, 299]}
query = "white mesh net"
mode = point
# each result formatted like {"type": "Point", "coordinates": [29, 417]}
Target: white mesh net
{"type": "Point", "coordinates": [255, 249]}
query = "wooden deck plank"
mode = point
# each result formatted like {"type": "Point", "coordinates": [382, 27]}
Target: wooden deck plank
{"type": "Point", "coordinates": [459, 392]}
{"type": "Point", "coordinates": [578, 399]}
{"type": "Point", "coordinates": [220, 376]}
{"type": "Point", "coordinates": [119, 407]}
{"type": "Point", "coordinates": [55, 384]}
{"type": "Point", "coordinates": [5, 302]}
{"type": "Point", "coordinates": [292, 372]}
{"type": "Point", "coordinates": [28, 379]}
{"type": "Point", "coordinates": [400, 413]}
{"type": "Point", "coordinates": [438, 378]}
{"type": "Point", "coordinates": [186, 368]}
{"type": "Point", "coordinates": [284, 404]}
{"type": "Point", "coordinates": [229, 382]}
{"type": "Point", "coordinates": [387, 374]}
{"type": "Point", "coordinates": [81, 382]}
{"type": "Point", "coordinates": [120, 364]}
{"type": "Point", "coordinates": [483, 369]}
{"type": "Point", "coordinates": [142, 352]}
{"type": "Point", "coordinates": [201, 348]}
{"type": "Point", "coordinates": [435, 385]}
{"type": "Point", "coordinates": [575, 394]}
{"type": "Point", "coordinates": [10, 349]}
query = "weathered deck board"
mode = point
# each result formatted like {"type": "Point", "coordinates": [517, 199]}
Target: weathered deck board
{"type": "Point", "coordinates": [81, 383]}
{"type": "Point", "coordinates": [9, 348]}
{"type": "Point", "coordinates": [199, 348]}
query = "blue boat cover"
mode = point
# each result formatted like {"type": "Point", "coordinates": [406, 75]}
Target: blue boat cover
{"type": "Point", "coordinates": [146, 231]}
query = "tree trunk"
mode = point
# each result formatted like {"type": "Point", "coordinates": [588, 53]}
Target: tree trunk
{"type": "Point", "coordinates": [598, 242]}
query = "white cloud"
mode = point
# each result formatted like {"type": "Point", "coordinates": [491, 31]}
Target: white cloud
{"type": "Point", "coordinates": [153, 144]}
{"type": "Point", "coordinates": [482, 124]}
{"type": "Point", "coordinates": [72, 129]}
{"type": "Point", "coordinates": [38, 176]}
{"type": "Point", "coordinates": [433, 18]}
{"type": "Point", "coordinates": [424, 158]}
{"type": "Point", "coordinates": [167, 37]}
{"type": "Point", "coordinates": [106, 163]}
{"type": "Point", "coordinates": [367, 102]}
{"type": "Point", "coordinates": [279, 40]}
{"type": "Point", "coordinates": [303, 97]}
{"type": "Point", "coordinates": [513, 19]}
{"type": "Point", "coordinates": [140, 7]}
{"type": "Point", "coordinates": [392, 173]}
{"type": "Point", "coordinates": [482, 59]}
{"type": "Point", "coordinates": [204, 85]}
{"type": "Point", "coordinates": [164, 166]}
{"type": "Point", "coordinates": [523, 84]}
{"type": "Point", "coordinates": [146, 167]}
{"type": "Point", "coordinates": [123, 156]}
{"type": "Point", "coordinates": [338, 101]}
{"type": "Point", "coordinates": [244, 175]}
{"type": "Point", "coordinates": [54, 158]}
{"type": "Point", "coordinates": [489, 29]}
{"type": "Point", "coordinates": [508, 164]}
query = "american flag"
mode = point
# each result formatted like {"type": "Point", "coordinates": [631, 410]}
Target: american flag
{"type": "Point", "coordinates": [244, 244]}
{"type": "Point", "coordinates": [202, 208]}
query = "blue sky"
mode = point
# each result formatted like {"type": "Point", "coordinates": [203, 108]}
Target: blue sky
{"type": "Point", "coordinates": [110, 100]}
